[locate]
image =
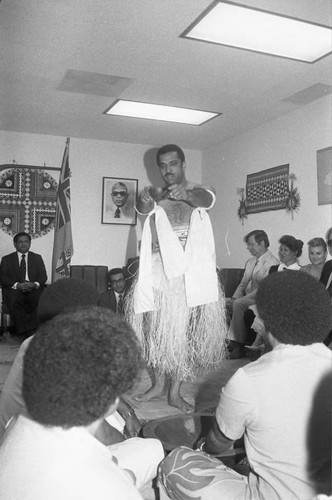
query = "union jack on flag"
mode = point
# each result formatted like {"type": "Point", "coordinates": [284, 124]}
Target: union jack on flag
{"type": "Point", "coordinates": [63, 242]}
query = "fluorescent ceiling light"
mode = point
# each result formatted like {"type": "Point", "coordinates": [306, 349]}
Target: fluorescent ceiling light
{"type": "Point", "coordinates": [136, 109]}
{"type": "Point", "coordinates": [247, 28]}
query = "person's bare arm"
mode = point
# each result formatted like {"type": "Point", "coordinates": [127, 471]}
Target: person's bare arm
{"type": "Point", "coordinates": [197, 196]}
{"type": "Point", "coordinates": [127, 412]}
{"type": "Point", "coordinates": [145, 202]}
{"type": "Point", "coordinates": [216, 443]}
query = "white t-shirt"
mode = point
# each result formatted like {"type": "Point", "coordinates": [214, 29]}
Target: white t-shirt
{"type": "Point", "coordinates": [271, 401]}
{"type": "Point", "coordinates": [51, 463]}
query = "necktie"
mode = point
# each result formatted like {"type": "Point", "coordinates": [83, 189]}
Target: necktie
{"type": "Point", "coordinates": [117, 213]}
{"type": "Point", "coordinates": [120, 305]}
{"type": "Point", "coordinates": [23, 269]}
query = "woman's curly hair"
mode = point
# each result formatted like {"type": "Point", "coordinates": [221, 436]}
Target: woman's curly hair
{"type": "Point", "coordinates": [295, 308]}
{"type": "Point", "coordinates": [77, 364]}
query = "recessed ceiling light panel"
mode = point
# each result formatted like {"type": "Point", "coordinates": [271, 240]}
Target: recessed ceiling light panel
{"type": "Point", "coordinates": [159, 112]}
{"type": "Point", "coordinates": [257, 30]}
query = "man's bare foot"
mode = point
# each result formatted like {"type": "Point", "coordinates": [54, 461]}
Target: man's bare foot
{"type": "Point", "coordinates": [181, 403]}
{"type": "Point", "coordinates": [153, 393]}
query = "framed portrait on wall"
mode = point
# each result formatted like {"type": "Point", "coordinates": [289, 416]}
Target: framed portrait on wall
{"type": "Point", "coordinates": [119, 200]}
{"type": "Point", "coordinates": [324, 176]}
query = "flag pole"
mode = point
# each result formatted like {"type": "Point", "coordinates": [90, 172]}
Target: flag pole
{"type": "Point", "coordinates": [63, 248]}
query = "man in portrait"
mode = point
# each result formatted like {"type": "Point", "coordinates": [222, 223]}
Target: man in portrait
{"type": "Point", "coordinates": [120, 209]}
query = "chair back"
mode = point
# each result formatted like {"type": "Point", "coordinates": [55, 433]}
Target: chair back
{"type": "Point", "coordinates": [230, 279]}
{"type": "Point", "coordinates": [97, 275]}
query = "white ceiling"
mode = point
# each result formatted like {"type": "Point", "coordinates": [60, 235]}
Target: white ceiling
{"type": "Point", "coordinates": [92, 41]}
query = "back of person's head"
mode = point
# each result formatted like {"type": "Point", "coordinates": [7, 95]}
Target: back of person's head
{"type": "Point", "coordinates": [65, 294]}
{"type": "Point", "coordinates": [292, 243]}
{"type": "Point", "coordinates": [170, 148]}
{"type": "Point", "coordinates": [77, 364]}
{"type": "Point", "coordinates": [295, 308]}
{"type": "Point", "coordinates": [259, 236]}
{"type": "Point", "coordinates": [317, 242]}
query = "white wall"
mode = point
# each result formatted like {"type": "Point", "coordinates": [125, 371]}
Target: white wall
{"type": "Point", "coordinates": [90, 161]}
{"type": "Point", "coordinates": [294, 139]}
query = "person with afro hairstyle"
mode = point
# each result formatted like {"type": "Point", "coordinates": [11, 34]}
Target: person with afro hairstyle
{"type": "Point", "coordinates": [58, 297]}
{"type": "Point", "coordinates": [281, 404]}
{"type": "Point", "coordinates": [52, 452]}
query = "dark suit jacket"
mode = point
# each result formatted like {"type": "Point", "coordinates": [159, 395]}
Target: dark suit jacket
{"type": "Point", "coordinates": [327, 270]}
{"type": "Point", "coordinates": [10, 271]}
{"type": "Point", "coordinates": [108, 300]}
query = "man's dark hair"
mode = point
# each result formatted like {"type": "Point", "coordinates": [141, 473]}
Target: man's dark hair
{"type": "Point", "coordinates": [328, 236]}
{"type": "Point", "coordinates": [292, 243]}
{"type": "Point", "coordinates": [77, 364]}
{"type": "Point", "coordinates": [295, 307]}
{"type": "Point", "coordinates": [169, 148]}
{"type": "Point", "coordinates": [16, 237]}
{"type": "Point", "coordinates": [115, 270]}
{"type": "Point", "coordinates": [65, 294]}
{"type": "Point", "coordinates": [259, 236]}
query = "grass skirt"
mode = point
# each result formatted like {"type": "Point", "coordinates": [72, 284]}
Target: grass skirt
{"type": "Point", "coordinates": [177, 340]}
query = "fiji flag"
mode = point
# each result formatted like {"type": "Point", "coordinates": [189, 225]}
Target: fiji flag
{"type": "Point", "coordinates": [63, 241]}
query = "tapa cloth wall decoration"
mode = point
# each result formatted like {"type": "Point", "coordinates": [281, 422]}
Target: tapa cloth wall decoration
{"type": "Point", "coordinates": [27, 200]}
{"type": "Point", "coordinates": [267, 190]}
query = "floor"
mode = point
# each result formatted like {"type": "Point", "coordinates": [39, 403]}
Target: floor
{"type": "Point", "coordinates": [202, 392]}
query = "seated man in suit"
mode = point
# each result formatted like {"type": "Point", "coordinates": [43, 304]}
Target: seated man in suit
{"type": "Point", "coordinates": [256, 268]}
{"type": "Point", "coordinates": [22, 276]}
{"type": "Point", "coordinates": [326, 276]}
{"type": "Point", "coordinates": [114, 297]}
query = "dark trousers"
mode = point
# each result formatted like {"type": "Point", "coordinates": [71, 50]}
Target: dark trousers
{"type": "Point", "coordinates": [23, 308]}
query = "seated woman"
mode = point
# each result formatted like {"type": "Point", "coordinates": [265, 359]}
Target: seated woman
{"type": "Point", "coordinates": [317, 253]}
{"type": "Point", "coordinates": [290, 250]}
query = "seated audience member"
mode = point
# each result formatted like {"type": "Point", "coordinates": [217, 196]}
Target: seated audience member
{"type": "Point", "coordinates": [51, 453]}
{"type": "Point", "coordinates": [326, 276]}
{"type": "Point", "coordinates": [317, 253]}
{"type": "Point", "coordinates": [290, 250]}
{"type": "Point", "coordinates": [57, 298]}
{"type": "Point", "coordinates": [113, 298]}
{"type": "Point", "coordinates": [281, 404]}
{"type": "Point", "coordinates": [256, 268]}
{"type": "Point", "coordinates": [22, 277]}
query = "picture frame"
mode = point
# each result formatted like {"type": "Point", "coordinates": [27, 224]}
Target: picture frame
{"type": "Point", "coordinates": [118, 201]}
{"type": "Point", "coordinates": [324, 176]}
